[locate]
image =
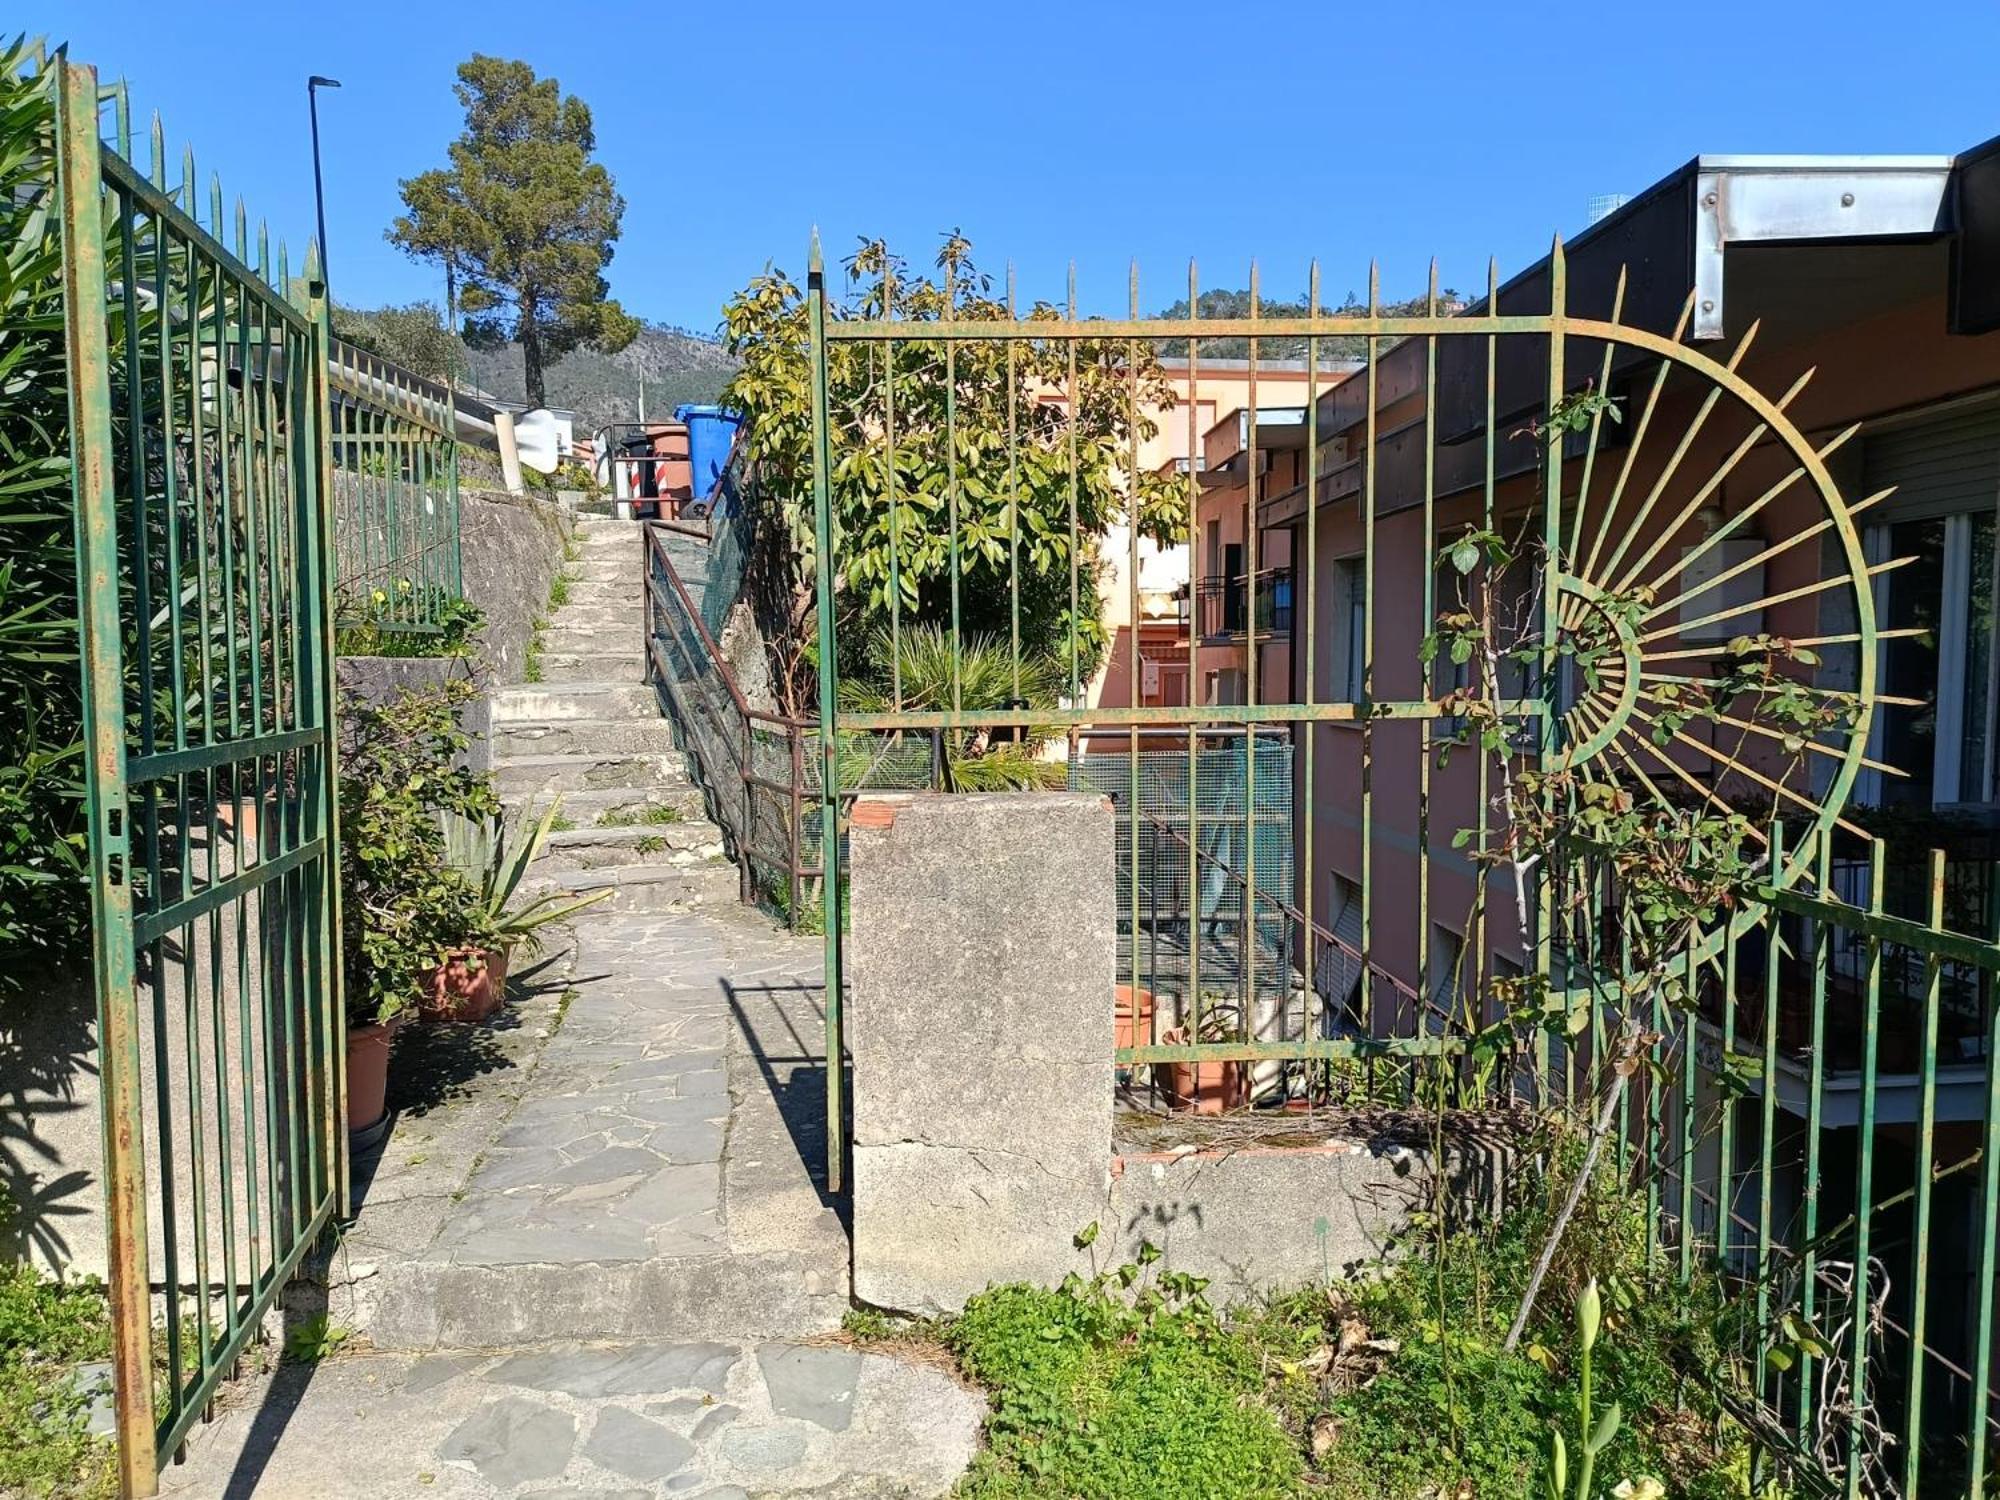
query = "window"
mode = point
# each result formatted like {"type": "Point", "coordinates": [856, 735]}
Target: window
{"type": "Point", "coordinates": [1946, 471]}
{"type": "Point", "coordinates": [1350, 581]}
{"type": "Point", "coordinates": [1443, 981]}
{"type": "Point", "coordinates": [1337, 971]}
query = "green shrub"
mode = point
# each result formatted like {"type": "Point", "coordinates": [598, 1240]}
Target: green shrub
{"type": "Point", "coordinates": [403, 901]}
{"type": "Point", "coordinates": [44, 899]}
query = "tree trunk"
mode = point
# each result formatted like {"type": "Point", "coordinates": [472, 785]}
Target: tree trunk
{"type": "Point", "coordinates": [531, 359]}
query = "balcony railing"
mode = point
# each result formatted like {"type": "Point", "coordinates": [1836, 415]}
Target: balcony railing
{"type": "Point", "coordinates": [1223, 605]}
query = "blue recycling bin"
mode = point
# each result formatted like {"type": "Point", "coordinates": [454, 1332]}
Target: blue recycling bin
{"type": "Point", "coordinates": [711, 434]}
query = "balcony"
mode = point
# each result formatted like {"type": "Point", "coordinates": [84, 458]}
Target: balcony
{"type": "Point", "coordinates": [1223, 606]}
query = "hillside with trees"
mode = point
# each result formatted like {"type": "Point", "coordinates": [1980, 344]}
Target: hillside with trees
{"type": "Point", "coordinates": [675, 364]}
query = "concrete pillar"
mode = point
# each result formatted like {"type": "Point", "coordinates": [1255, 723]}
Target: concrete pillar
{"type": "Point", "coordinates": [981, 969]}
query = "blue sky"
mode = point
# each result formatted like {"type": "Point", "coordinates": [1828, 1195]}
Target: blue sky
{"type": "Point", "coordinates": [1093, 129]}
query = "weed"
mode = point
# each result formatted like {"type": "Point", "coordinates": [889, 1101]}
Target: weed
{"type": "Point", "coordinates": [562, 824]}
{"type": "Point", "coordinates": [563, 1003]}
{"type": "Point", "coordinates": [652, 843]}
{"type": "Point", "coordinates": [651, 815]}
{"type": "Point", "coordinates": [48, 1328]}
{"type": "Point", "coordinates": [314, 1339]}
{"type": "Point", "coordinates": [559, 589]}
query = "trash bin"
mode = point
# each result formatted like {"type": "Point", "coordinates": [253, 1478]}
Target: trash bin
{"type": "Point", "coordinates": [711, 433]}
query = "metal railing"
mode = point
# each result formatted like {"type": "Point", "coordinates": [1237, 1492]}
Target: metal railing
{"type": "Point", "coordinates": [395, 493]}
{"type": "Point", "coordinates": [939, 463]}
{"type": "Point", "coordinates": [1224, 605]}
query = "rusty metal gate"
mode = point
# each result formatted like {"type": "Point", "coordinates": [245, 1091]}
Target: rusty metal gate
{"type": "Point", "coordinates": [199, 416]}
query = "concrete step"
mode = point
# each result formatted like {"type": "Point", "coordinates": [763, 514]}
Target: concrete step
{"type": "Point", "coordinates": [545, 776]}
{"type": "Point", "coordinates": [611, 615]}
{"type": "Point", "coordinates": [440, 1304]}
{"type": "Point", "coordinates": [650, 887]}
{"type": "Point", "coordinates": [542, 703]}
{"type": "Point", "coordinates": [596, 666]}
{"type": "Point", "coordinates": [608, 593]}
{"type": "Point", "coordinates": [517, 738]}
{"type": "Point", "coordinates": [695, 841]}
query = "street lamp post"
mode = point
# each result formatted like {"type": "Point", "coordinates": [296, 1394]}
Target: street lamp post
{"type": "Point", "coordinates": [313, 85]}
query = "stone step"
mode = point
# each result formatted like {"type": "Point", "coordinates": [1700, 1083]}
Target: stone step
{"type": "Point", "coordinates": [650, 887]}
{"type": "Point", "coordinates": [542, 703]}
{"type": "Point", "coordinates": [562, 640]}
{"type": "Point", "coordinates": [607, 593]}
{"type": "Point", "coordinates": [694, 841]}
{"type": "Point", "coordinates": [585, 809]}
{"type": "Point", "coordinates": [595, 666]}
{"type": "Point", "coordinates": [517, 738]}
{"type": "Point", "coordinates": [439, 1304]}
{"type": "Point", "coordinates": [545, 776]}
{"type": "Point", "coordinates": [621, 614]}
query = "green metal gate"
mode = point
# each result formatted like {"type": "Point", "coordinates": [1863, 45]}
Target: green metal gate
{"type": "Point", "coordinates": [199, 414]}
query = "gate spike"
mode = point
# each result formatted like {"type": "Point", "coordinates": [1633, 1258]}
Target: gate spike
{"type": "Point", "coordinates": [159, 144]}
{"type": "Point", "coordinates": [1374, 288]}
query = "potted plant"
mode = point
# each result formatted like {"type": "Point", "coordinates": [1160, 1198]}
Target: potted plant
{"type": "Point", "coordinates": [470, 980]}
{"type": "Point", "coordinates": [1207, 1088]}
{"type": "Point", "coordinates": [403, 900]}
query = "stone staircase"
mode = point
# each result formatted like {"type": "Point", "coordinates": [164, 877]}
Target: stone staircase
{"type": "Point", "coordinates": [591, 732]}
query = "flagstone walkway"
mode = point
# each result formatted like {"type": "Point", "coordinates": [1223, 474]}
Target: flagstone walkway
{"type": "Point", "coordinates": [631, 1290]}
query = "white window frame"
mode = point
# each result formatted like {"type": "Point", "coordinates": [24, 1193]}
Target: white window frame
{"type": "Point", "coordinates": [1954, 619]}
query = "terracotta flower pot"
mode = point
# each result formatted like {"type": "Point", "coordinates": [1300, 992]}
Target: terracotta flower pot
{"type": "Point", "coordinates": [1205, 1088]}
{"type": "Point", "coordinates": [467, 987]}
{"type": "Point", "coordinates": [1134, 1013]}
{"type": "Point", "coordinates": [368, 1075]}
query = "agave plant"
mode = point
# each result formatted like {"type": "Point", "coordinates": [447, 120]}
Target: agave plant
{"type": "Point", "coordinates": [498, 860]}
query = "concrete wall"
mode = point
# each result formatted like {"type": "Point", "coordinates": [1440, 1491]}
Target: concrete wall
{"type": "Point", "coordinates": [981, 970]}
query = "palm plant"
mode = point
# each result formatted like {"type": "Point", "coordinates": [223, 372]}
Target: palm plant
{"type": "Point", "coordinates": [923, 667]}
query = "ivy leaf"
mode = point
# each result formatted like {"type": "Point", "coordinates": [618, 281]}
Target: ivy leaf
{"type": "Point", "coordinates": [1465, 556]}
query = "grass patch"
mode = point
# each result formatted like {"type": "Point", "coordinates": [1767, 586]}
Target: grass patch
{"type": "Point", "coordinates": [652, 843]}
{"type": "Point", "coordinates": [1094, 1396]}
{"type": "Point", "coordinates": [46, 1329]}
{"type": "Point", "coordinates": [652, 815]}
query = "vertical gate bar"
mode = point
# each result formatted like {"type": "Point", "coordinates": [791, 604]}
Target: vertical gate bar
{"type": "Point", "coordinates": [1075, 559]}
{"type": "Point", "coordinates": [1727, 1099]}
{"type": "Point", "coordinates": [1686, 1148]}
{"type": "Point", "coordinates": [1988, 1217]}
{"type": "Point", "coordinates": [1133, 694]}
{"type": "Point", "coordinates": [1308, 667]}
{"type": "Point", "coordinates": [316, 495]}
{"type": "Point", "coordinates": [79, 178]}
{"type": "Point", "coordinates": [1246, 961]}
{"type": "Point", "coordinates": [1815, 1098]}
{"type": "Point", "coordinates": [889, 487]}
{"type": "Point", "coordinates": [1766, 1144]}
{"type": "Point", "coordinates": [951, 488]}
{"type": "Point", "coordinates": [1427, 685]}
{"type": "Point", "coordinates": [1864, 1192]}
{"type": "Point", "coordinates": [1013, 492]}
{"type": "Point", "coordinates": [829, 690]}
{"type": "Point", "coordinates": [1920, 1242]}
{"type": "Point", "coordinates": [1550, 683]}
{"type": "Point", "coordinates": [1196, 459]}
{"type": "Point", "coordinates": [1482, 762]}
{"type": "Point", "coordinates": [1367, 687]}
